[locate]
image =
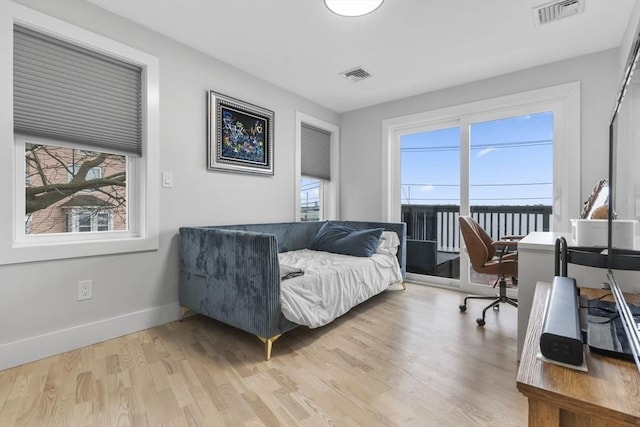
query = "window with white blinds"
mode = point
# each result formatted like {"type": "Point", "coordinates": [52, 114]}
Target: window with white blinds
{"type": "Point", "coordinates": [82, 103]}
{"type": "Point", "coordinates": [315, 152]}
{"type": "Point", "coordinates": [69, 93]}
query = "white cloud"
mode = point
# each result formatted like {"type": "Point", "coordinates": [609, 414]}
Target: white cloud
{"type": "Point", "coordinates": [426, 187]}
{"type": "Point", "coordinates": [485, 151]}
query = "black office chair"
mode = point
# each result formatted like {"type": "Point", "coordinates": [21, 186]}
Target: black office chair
{"type": "Point", "coordinates": [490, 257]}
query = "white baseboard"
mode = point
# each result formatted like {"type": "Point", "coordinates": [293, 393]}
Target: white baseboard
{"type": "Point", "coordinates": [41, 346]}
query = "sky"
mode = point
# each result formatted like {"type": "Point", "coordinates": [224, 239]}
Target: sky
{"type": "Point", "coordinates": [309, 192]}
{"type": "Point", "coordinates": [511, 163]}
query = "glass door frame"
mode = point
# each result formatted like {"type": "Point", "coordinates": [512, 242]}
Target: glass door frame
{"type": "Point", "coordinates": [465, 203]}
{"type": "Point", "coordinates": [563, 101]}
{"type": "Point", "coordinates": [422, 128]}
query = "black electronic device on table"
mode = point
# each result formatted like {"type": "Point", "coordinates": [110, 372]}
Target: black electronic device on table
{"type": "Point", "coordinates": [611, 327]}
{"type": "Point", "coordinates": [561, 336]}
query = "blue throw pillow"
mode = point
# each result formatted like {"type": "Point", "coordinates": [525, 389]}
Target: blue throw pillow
{"type": "Point", "coordinates": [343, 240]}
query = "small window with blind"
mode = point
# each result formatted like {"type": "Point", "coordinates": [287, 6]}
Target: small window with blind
{"type": "Point", "coordinates": [78, 115]}
{"type": "Point", "coordinates": [85, 125]}
{"type": "Point", "coordinates": [315, 147]}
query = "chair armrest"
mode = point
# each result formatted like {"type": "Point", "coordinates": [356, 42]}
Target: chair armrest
{"type": "Point", "coordinates": [513, 237]}
{"type": "Point", "coordinates": [507, 243]}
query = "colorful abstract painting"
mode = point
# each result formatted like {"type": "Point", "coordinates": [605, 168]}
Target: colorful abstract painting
{"type": "Point", "coordinates": [240, 136]}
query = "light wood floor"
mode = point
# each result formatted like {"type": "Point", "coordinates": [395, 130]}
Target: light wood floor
{"type": "Point", "coordinates": [400, 359]}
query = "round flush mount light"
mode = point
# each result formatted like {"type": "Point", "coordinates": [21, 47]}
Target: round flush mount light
{"type": "Point", "coordinates": [352, 7]}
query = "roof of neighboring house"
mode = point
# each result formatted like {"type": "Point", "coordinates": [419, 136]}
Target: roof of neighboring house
{"type": "Point", "coordinates": [86, 201]}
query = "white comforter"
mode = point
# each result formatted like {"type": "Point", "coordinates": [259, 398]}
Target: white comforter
{"type": "Point", "coordinates": [332, 284]}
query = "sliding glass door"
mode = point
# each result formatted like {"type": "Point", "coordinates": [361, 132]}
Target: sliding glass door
{"type": "Point", "coordinates": [430, 198]}
{"type": "Point", "coordinates": [499, 171]}
{"type": "Point", "coordinates": [510, 179]}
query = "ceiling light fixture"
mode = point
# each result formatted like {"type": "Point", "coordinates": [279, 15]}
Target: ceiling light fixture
{"type": "Point", "coordinates": [352, 7]}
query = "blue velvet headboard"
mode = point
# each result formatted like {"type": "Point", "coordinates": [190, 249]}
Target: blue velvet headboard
{"type": "Point", "coordinates": [292, 236]}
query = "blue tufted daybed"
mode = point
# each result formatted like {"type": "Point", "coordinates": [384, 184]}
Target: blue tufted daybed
{"type": "Point", "coordinates": [232, 274]}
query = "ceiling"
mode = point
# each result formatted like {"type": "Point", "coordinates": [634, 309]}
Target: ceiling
{"type": "Point", "coordinates": [409, 46]}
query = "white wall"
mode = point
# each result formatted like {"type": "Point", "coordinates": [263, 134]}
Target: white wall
{"type": "Point", "coordinates": [361, 192]}
{"type": "Point", "coordinates": [39, 314]}
{"type": "Point", "coordinates": [630, 33]}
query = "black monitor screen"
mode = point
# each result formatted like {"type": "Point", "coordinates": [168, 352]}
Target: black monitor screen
{"type": "Point", "coordinates": [624, 171]}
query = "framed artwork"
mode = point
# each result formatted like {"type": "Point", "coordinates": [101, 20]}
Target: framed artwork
{"type": "Point", "coordinates": [239, 136]}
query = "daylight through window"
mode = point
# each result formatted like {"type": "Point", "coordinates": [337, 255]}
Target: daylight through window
{"type": "Point", "coordinates": [310, 201]}
{"type": "Point", "coordinates": [315, 170]}
{"type": "Point", "coordinates": [72, 190]}
{"type": "Point", "coordinates": [84, 158]}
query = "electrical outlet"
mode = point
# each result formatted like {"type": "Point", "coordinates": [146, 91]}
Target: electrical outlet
{"type": "Point", "coordinates": [85, 290]}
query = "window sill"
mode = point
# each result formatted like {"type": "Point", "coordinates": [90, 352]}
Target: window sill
{"type": "Point", "coordinates": [57, 250]}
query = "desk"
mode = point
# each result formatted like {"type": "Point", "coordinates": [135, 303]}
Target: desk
{"type": "Point", "coordinates": [605, 396]}
{"type": "Point", "coordinates": [536, 257]}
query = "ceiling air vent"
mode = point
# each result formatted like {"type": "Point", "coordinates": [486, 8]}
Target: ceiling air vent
{"type": "Point", "coordinates": [355, 74]}
{"type": "Point", "coordinates": [557, 10]}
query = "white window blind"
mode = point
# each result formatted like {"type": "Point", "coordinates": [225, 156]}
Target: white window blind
{"type": "Point", "coordinates": [69, 93]}
{"type": "Point", "coordinates": [315, 152]}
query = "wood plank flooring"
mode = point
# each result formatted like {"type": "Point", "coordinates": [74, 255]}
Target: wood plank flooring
{"type": "Point", "coordinates": [403, 358]}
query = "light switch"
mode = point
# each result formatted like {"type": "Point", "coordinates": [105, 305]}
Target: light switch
{"type": "Point", "coordinates": [167, 179]}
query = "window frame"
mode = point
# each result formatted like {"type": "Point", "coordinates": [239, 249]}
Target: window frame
{"type": "Point", "coordinates": [73, 170]}
{"type": "Point", "coordinates": [22, 239]}
{"type": "Point", "coordinates": [563, 100]}
{"type": "Point", "coordinates": [321, 183]}
{"type": "Point", "coordinates": [143, 234]}
{"type": "Point", "coordinates": [329, 190]}
{"type": "Point", "coordinates": [94, 220]}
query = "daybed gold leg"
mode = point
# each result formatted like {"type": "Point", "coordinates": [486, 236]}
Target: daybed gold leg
{"type": "Point", "coordinates": [404, 286]}
{"type": "Point", "coordinates": [268, 343]}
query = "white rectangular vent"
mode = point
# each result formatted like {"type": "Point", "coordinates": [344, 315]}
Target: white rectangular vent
{"type": "Point", "coordinates": [557, 10]}
{"type": "Point", "coordinates": [355, 74]}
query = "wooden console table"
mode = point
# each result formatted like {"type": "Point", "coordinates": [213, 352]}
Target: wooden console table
{"type": "Point", "coordinates": [608, 395]}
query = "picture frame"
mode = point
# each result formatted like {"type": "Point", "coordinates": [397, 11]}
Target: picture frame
{"type": "Point", "coordinates": [239, 136]}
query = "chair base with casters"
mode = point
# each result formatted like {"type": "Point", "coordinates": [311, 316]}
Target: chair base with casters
{"type": "Point", "coordinates": [490, 257]}
{"type": "Point", "coordinates": [495, 304]}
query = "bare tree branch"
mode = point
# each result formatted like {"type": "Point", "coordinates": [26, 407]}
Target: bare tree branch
{"type": "Point", "coordinates": [63, 173]}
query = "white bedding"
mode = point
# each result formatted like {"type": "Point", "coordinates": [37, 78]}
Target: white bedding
{"type": "Point", "coordinates": [332, 284]}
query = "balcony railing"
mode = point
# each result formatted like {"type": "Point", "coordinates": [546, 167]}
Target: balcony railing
{"type": "Point", "coordinates": [439, 223]}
